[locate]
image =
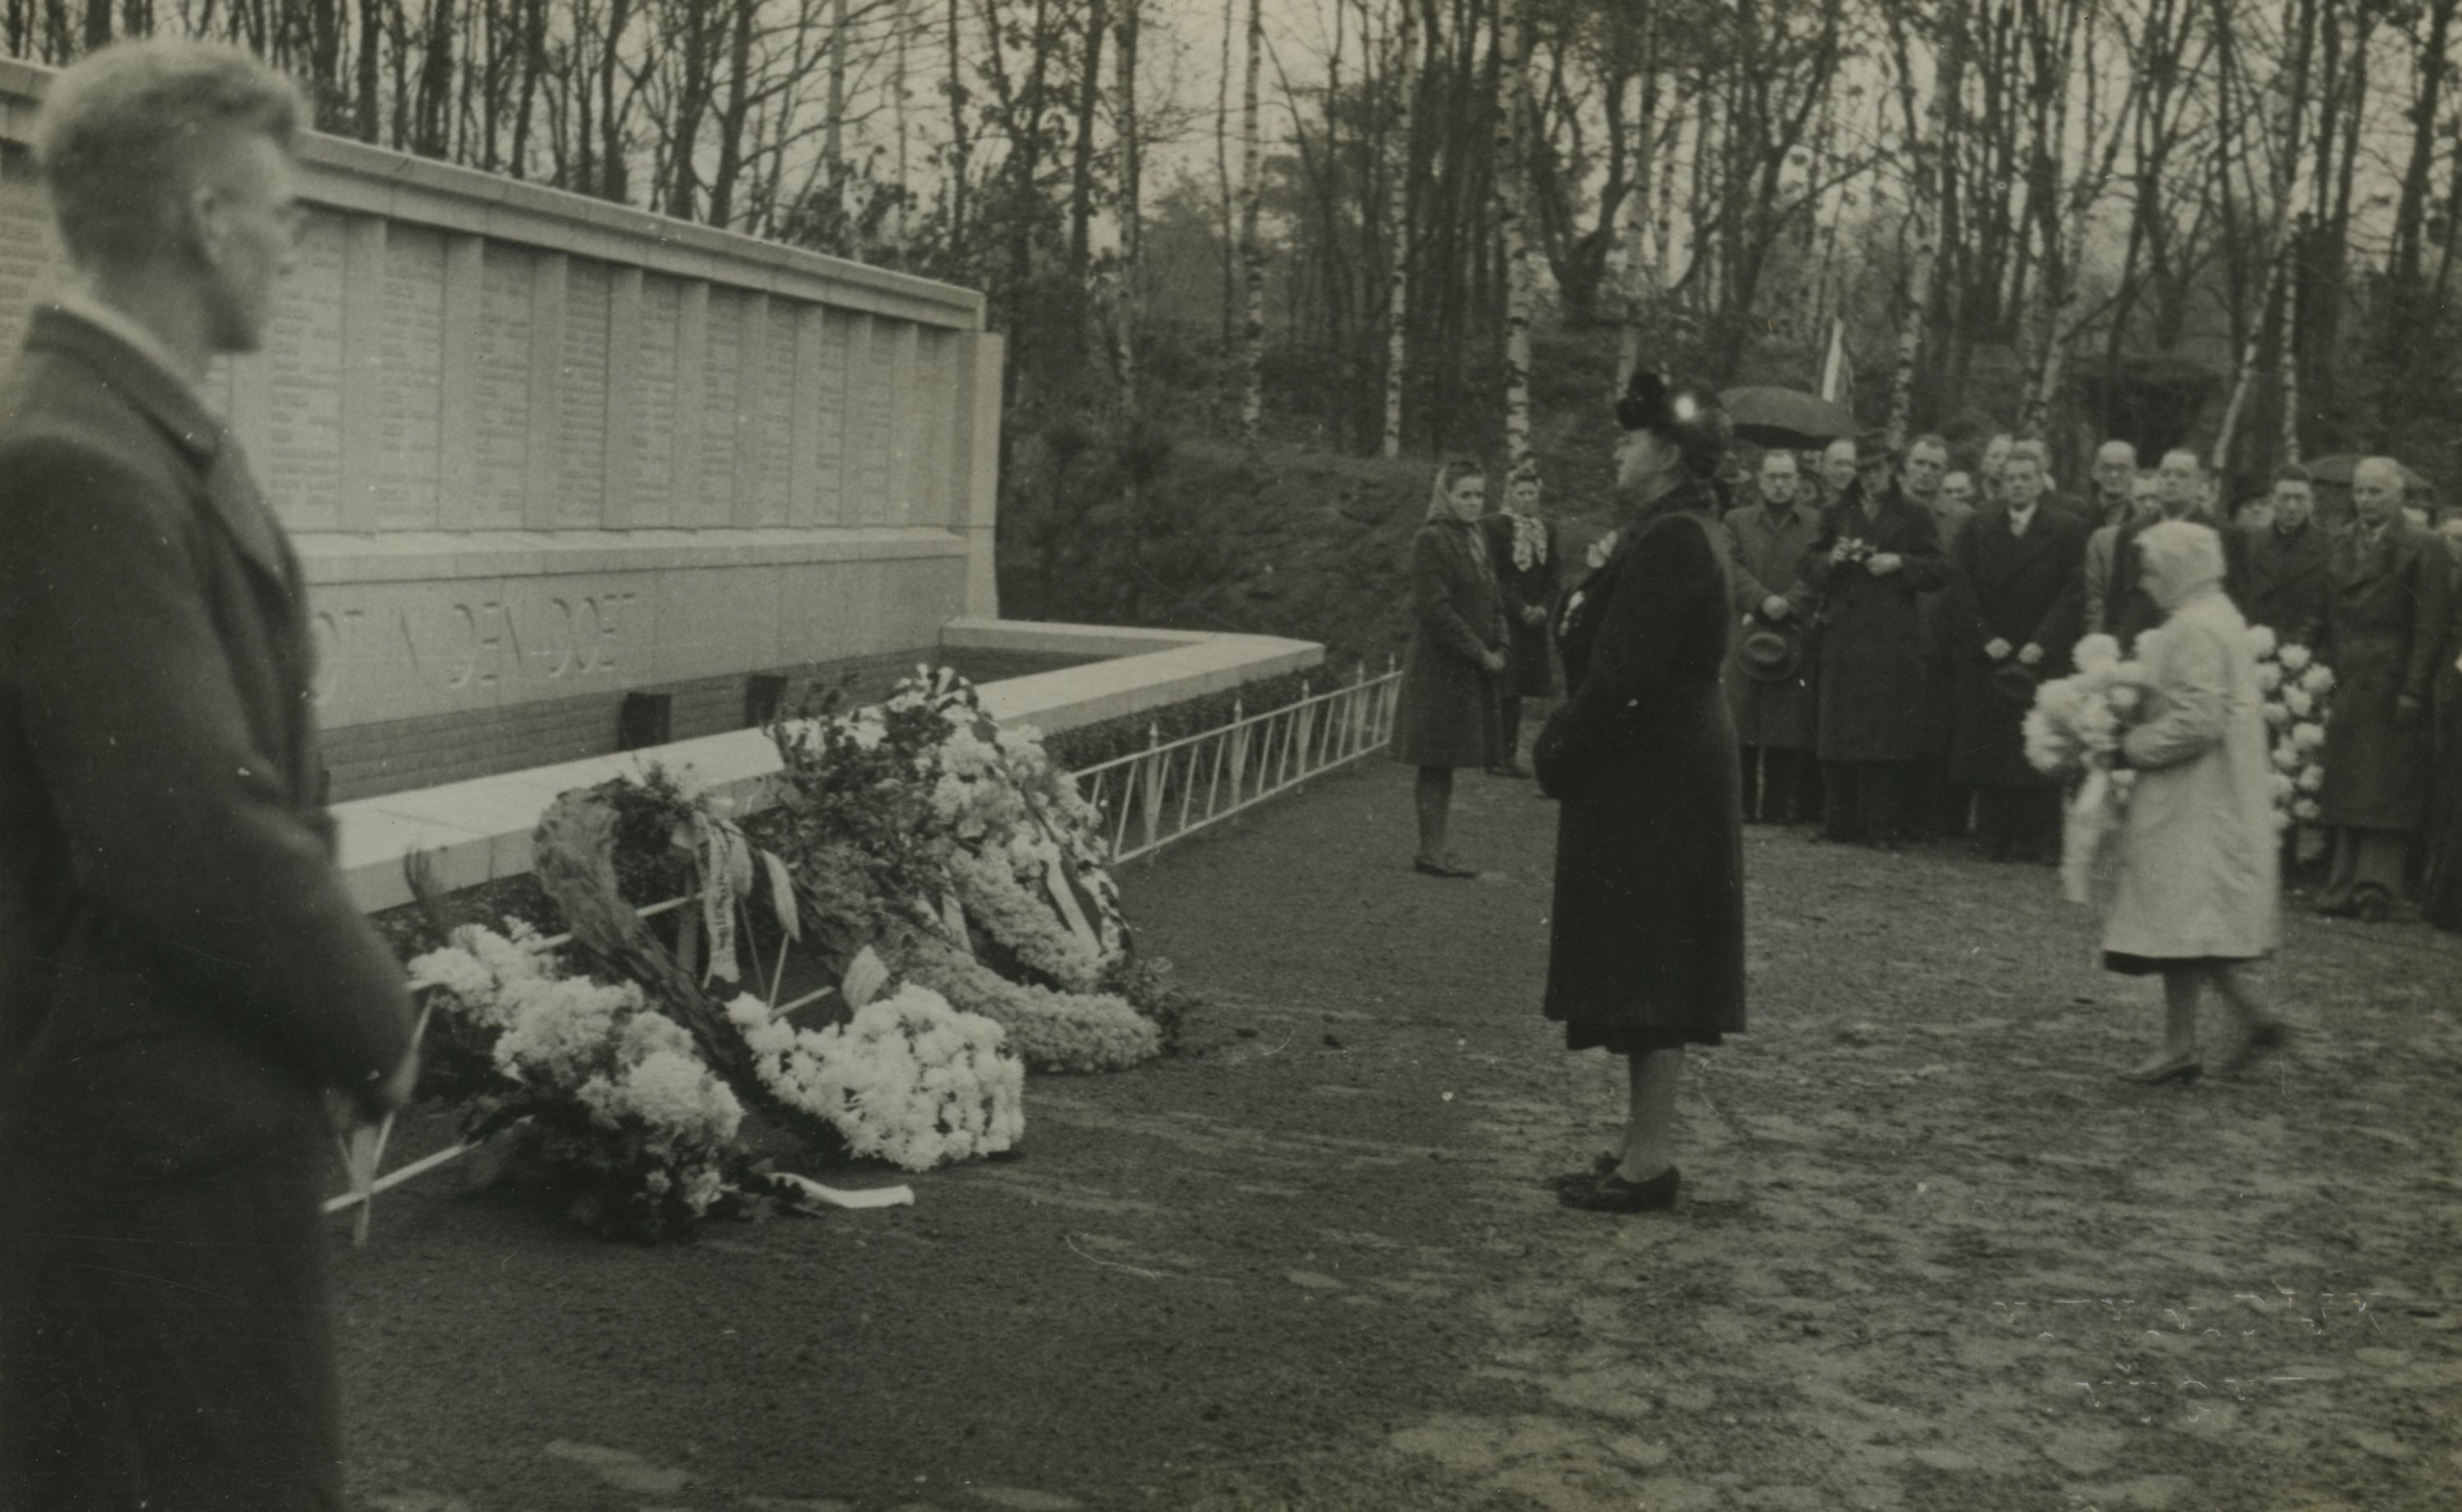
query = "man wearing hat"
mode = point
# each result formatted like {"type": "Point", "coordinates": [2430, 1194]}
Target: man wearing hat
{"type": "Point", "coordinates": [2021, 561]}
{"type": "Point", "coordinates": [1769, 674]}
{"type": "Point", "coordinates": [1876, 554]}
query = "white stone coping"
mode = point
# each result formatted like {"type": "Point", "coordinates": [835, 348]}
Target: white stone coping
{"type": "Point", "coordinates": [479, 830]}
{"type": "Point", "coordinates": [354, 176]}
{"type": "Point", "coordinates": [424, 555]}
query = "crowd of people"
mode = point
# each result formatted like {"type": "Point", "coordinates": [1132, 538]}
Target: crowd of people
{"type": "Point", "coordinates": [1854, 638]}
{"type": "Point", "coordinates": [1895, 607]}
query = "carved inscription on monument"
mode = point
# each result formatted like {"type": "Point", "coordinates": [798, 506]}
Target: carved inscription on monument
{"type": "Point", "coordinates": [654, 409]}
{"type": "Point", "coordinates": [721, 383]}
{"type": "Point", "coordinates": [504, 384]}
{"type": "Point", "coordinates": [588, 294]}
{"type": "Point", "coordinates": [409, 438]}
{"type": "Point", "coordinates": [825, 412]}
{"type": "Point", "coordinates": [776, 400]}
{"type": "Point", "coordinates": [398, 651]}
{"type": "Point", "coordinates": [875, 405]}
{"type": "Point", "coordinates": [300, 451]}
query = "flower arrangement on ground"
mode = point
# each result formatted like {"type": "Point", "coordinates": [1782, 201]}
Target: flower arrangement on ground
{"type": "Point", "coordinates": [2073, 730]}
{"type": "Point", "coordinates": [2298, 690]}
{"type": "Point", "coordinates": [618, 1104]}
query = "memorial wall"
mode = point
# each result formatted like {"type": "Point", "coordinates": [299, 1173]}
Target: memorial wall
{"type": "Point", "coordinates": [539, 452]}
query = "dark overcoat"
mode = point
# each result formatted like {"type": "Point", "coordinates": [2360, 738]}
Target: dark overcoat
{"type": "Point", "coordinates": [2441, 902]}
{"type": "Point", "coordinates": [2128, 611]}
{"type": "Point", "coordinates": [1765, 561]}
{"type": "Point", "coordinates": [1448, 714]}
{"type": "Point", "coordinates": [1528, 572]}
{"type": "Point", "coordinates": [2025, 589]}
{"type": "Point", "coordinates": [1647, 931]}
{"type": "Point", "coordinates": [1873, 682]}
{"type": "Point", "coordinates": [2383, 626]}
{"type": "Point", "coordinates": [182, 971]}
{"type": "Point", "coordinates": [2289, 581]}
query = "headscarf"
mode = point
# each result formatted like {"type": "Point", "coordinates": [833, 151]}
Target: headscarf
{"type": "Point", "coordinates": [2183, 555]}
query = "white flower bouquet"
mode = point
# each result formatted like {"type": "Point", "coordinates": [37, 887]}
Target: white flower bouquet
{"type": "Point", "coordinates": [2298, 693]}
{"type": "Point", "coordinates": [2074, 729]}
{"type": "Point", "coordinates": [619, 1106]}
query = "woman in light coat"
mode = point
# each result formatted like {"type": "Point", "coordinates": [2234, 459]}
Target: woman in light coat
{"type": "Point", "coordinates": [2199, 894]}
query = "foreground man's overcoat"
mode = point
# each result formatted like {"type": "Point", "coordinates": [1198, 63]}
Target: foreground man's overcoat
{"type": "Point", "coordinates": [181, 972]}
{"type": "Point", "coordinates": [1647, 931]}
{"type": "Point", "coordinates": [2200, 856]}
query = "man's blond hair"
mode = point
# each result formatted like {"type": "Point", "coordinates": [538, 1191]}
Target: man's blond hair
{"type": "Point", "coordinates": [118, 131]}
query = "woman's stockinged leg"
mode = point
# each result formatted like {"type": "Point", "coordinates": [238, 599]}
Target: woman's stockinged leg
{"type": "Point", "coordinates": [1434, 795]}
{"type": "Point", "coordinates": [2180, 991]}
{"type": "Point", "coordinates": [1650, 1132]}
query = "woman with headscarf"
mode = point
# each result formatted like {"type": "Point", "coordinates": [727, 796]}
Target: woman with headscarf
{"type": "Point", "coordinates": [1449, 714]}
{"type": "Point", "coordinates": [1646, 952]}
{"type": "Point", "coordinates": [2199, 892]}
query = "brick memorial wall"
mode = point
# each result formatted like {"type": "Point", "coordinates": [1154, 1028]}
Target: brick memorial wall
{"type": "Point", "coordinates": [539, 452]}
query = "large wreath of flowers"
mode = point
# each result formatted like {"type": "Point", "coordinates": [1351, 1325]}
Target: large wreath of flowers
{"type": "Point", "coordinates": [2074, 729]}
{"type": "Point", "coordinates": [2298, 693]}
{"type": "Point", "coordinates": [936, 867]}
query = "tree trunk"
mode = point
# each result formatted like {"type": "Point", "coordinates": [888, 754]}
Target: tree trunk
{"type": "Point", "coordinates": [1131, 300]}
{"type": "Point", "coordinates": [2249, 353]}
{"type": "Point", "coordinates": [1081, 177]}
{"type": "Point", "coordinates": [1641, 257]}
{"type": "Point", "coordinates": [1513, 225]}
{"type": "Point", "coordinates": [1923, 142]}
{"type": "Point", "coordinates": [961, 135]}
{"type": "Point", "coordinates": [1252, 250]}
{"type": "Point", "coordinates": [1398, 234]}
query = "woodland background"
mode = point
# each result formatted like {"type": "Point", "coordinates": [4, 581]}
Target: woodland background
{"type": "Point", "coordinates": [1259, 261]}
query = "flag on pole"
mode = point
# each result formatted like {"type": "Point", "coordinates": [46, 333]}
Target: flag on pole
{"type": "Point", "coordinates": [1838, 368]}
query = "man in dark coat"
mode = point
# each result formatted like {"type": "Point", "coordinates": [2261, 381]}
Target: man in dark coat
{"type": "Point", "coordinates": [2383, 626]}
{"type": "Point", "coordinates": [2288, 561]}
{"type": "Point", "coordinates": [2185, 493]}
{"type": "Point", "coordinates": [1936, 805]}
{"type": "Point", "coordinates": [2019, 565]}
{"type": "Point", "coordinates": [1876, 554]}
{"type": "Point", "coordinates": [1522, 548]}
{"type": "Point", "coordinates": [1770, 695]}
{"type": "Point", "coordinates": [185, 986]}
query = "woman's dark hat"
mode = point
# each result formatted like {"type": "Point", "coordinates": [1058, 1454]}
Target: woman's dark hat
{"type": "Point", "coordinates": [1772, 651]}
{"type": "Point", "coordinates": [1644, 406]}
{"type": "Point", "coordinates": [2015, 681]}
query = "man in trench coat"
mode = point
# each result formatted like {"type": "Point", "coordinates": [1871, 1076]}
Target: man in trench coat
{"type": "Point", "coordinates": [1774, 715]}
{"type": "Point", "coordinates": [2383, 627]}
{"type": "Point", "coordinates": [185, 987]}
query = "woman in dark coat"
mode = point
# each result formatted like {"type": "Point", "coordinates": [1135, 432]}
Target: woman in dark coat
{"type": "Point", "coordinates": [1522, 545]}
{"type": "Point", "coordinates": [1876, 556]}
{"type": "Point", "coordinates": [1449, 714]}
{"type": "Point", "coordinates": [1645, 953]}
{"type": "Point", "coordinates": [2441, 903]}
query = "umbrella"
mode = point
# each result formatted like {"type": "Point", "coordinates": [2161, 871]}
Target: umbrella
{"type": "Point", "coordinates": [2336, 471]}
{"type": "Point", "coordinates": [1786, 418]}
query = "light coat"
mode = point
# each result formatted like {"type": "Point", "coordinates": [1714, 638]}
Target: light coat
{"type": "Point", "coordinates": [2199, 872]}
{"type": "Point", "coordinates": [1765, 561]}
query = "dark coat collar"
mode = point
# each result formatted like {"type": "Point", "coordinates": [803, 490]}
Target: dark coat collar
{"type": "Point", "coordinates": [174, 408]}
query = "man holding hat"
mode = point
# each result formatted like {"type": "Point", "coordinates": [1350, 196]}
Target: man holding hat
{"type": "Point", "coordinates": [1769, 675]}
{"type": "Point", "coordinates": [2021, 563]}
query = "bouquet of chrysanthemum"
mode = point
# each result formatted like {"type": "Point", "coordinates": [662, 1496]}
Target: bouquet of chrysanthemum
{"type": "Point", "coordinates": [619, 1105]}
{"type": "Point", "coordinates": [2074, 729]}
{"type": "Point", "coordinates": [2298, 693]}
{"type": "Point", "coordinates": [913, 1081]}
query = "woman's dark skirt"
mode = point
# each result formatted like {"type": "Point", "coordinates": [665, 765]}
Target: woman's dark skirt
{"type": "Point", "coordinates": [2127, 965]}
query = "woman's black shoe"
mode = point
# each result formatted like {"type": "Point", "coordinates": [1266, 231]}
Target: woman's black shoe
{"type": "Point", "coordinates": [2181, 1069]}
{"type": "Point", "coordinates": [1614, 1194]}
{"type": "Point", "coordinates": [1440, 868]}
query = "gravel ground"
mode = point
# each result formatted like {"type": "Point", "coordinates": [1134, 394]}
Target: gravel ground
{"type": "Point", "coordinates": [1930, 1254]}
